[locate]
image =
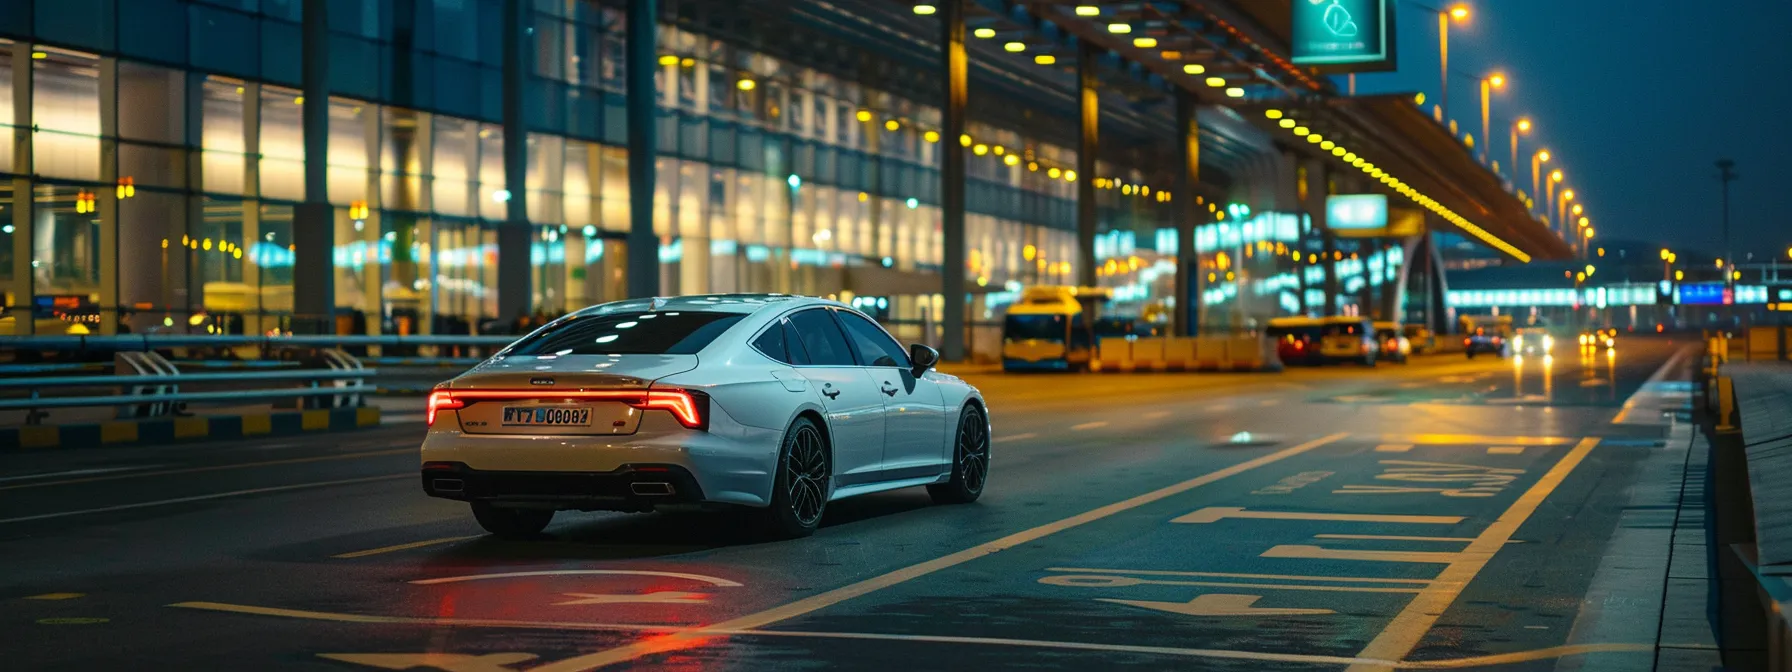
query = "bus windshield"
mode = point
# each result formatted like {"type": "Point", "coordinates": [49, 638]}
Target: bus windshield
{"type": "Point", "coordinates": [1034, 327]}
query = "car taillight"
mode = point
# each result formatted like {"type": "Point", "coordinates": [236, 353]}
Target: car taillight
{"type": "Point", "coordinates": [1467, 341]}
{"type": "Point", "coordinates": [691, 409]}
{"type": "Point", "coordinates": [440, 400]}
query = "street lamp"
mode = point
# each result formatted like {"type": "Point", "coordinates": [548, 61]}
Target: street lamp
{"type": "Point", "coordinates": [1523, 125]}
{"type": "Point", "coordinates": [1488, 84]}
{"type": "Point", "coordinates": [1538, 158]}
{"type": "Point", "coordinates": [1458, 13]}
{"type": "Point", "coordinates": [1555, 178]}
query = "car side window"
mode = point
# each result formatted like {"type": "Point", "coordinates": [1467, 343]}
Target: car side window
{"type": "Point", "coordinates": [821, 338]}
{"type": "Point", "coordinates": [771, 343]}
{"type": "Point", "coordinates": [875, 347]}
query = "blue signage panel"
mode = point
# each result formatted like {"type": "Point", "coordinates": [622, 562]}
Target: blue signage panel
{"type": "Point", "coordinates": [1344, 35]}
{"type": "Point", "coordinates": [1703, 294]}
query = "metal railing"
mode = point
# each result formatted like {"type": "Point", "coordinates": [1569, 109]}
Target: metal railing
{"type": "Point", "coordinates": [155, 342]}
{"type": "Point", "coordinates": [161, 390]}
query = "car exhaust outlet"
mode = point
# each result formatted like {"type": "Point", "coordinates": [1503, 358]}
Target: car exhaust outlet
{"type": "Point", "coordinates": [447, 485]}
{"type": "Point", "coordinates": [651, 488]}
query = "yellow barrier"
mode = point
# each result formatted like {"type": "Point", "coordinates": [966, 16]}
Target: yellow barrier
{"type": "Point", "coordinates": [1116, 354]}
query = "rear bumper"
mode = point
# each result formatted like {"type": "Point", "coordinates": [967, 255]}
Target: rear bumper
{"type": "Point", "coordinates": [629, 488]}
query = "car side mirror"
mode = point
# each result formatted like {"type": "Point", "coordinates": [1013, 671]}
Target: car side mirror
{"type": "Point", "coordinates": [922, 358]}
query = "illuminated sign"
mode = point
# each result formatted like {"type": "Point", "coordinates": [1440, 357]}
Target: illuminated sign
{"type": "Point", "coordinates": [1343, 35]}
{"type": "Point", "coordinates": [1360, 212]}
{"type": "Point", "coordinates": [1704, 294]}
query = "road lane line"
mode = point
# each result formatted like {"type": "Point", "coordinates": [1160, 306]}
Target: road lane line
{"type": "Point", "coordinates": [1650, 384]}
{"type": "Point", "coordinates": [829, 598]}
{"type": "Point", "coordinates": [403, 547]}
{"type": "Point", "coordinates": [1409, 627]}
{"type": "Point", "coordinates": [1393, 448]}
{"type": "Point", "coordinates": [1098, 424]}
{"type": "Point", "coordinates": [1477, 439]}
{"type": "Point", "coordinates": [1505, 450]}
{"type": "Point", "coordinates": [76, 472]}
{"type": "Point", "coordinates": [201, 498]}
{"type": "Point", "coordinates": [1230, 575]}
{"type": "Point", "coordinates": [1390, 537]}
{"type": "Point", "coordinates": [674, 630]}
{"type": "Point", "coordinates": [1155, 415]}
{"type": "Point", "coordinates": [1214, 514]}
{"type": "Point", "coordinates": [1013, 437]}
{"type": "Point", "coordinates": [1310, 552]}
{"type": "Point", "coordinates": [218, 467]}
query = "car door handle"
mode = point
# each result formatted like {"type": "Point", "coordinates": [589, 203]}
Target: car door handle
{"type": "Point", "coordinates": [888, 389]}
{"type": "Point", "coordinates": [829, 391]}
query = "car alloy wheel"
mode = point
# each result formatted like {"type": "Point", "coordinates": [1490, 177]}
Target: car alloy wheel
{"type": "Point", "coordinates": [806, 476]}
{"type": "Point", "coordinates": [973, 452]}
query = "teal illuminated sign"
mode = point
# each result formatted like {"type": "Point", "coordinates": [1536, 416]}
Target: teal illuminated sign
{"type": "Point", "coordinates": [1344, 35]}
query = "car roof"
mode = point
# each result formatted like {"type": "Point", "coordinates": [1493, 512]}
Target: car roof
{"type": "Point", "coordinates": [743, 304]}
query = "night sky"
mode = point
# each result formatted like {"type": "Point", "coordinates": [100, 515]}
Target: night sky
{"type": "Point", "coordinates": [1636, 100]}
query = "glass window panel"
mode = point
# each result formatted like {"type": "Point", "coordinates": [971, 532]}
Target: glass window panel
{"type": "Point", "coordinates": [348, 155]}
{"type": "Point", "coordinates": [65, 248]}
{"type": "Point", "coordinates": [361, 18]}
{"type": "Point", "coordinates": [157, 30]}
{"type": "Point", "coordinates": [615, 189]}
{"type": "Point", "coordinates": [152, 261]}
{"type": "Point", "coordinates": [355, 67]}
{"type": "Point", "coordinates": [75, 22]}
{"type": "Point", "coordinates": [544, 175]}
{"type": "Point", "coordinates": [456, 24]}
{"type": "Point", "coordinates": [402, 141]}
{"type": "Point", "coordinates": [280, 49]}
{"type": "Point", "coordinates": [6, 119]}
{"type": "Point", "coordinates": [454, 156]}
{"type": "Point", "coordinates": [282, 143]}
{"type": "Point", "coordinates": [66, 109]}
{"type": "Point", "coordinates": [151, 103]}
{"type": "Point", "coordinates": [290, 10]}
{"type": "Point", "coordinates": [492, 205]}
{"type": "Point", "coordinates": [579, 182]}
{"type": "Point", "coordinates": [457, 87]}
{"type": "Point", "coordinates": [154, 166]}
{"type": "Point", "coordinates": [221, 41]}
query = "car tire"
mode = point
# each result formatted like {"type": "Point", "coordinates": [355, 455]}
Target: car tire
{"type": "Point", "coordinates": [803, 462]}
{"type": "Point", "coordinates": [970, 461]}
{"type": "Point", "coordinates": [512, 523]}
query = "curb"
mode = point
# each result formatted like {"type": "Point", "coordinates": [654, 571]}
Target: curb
{"type": "Point", "coordinates": [198, 428]}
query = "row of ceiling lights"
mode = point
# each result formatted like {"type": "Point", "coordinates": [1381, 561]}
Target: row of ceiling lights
{"type": "Point", "coordinates": [1394, 183]}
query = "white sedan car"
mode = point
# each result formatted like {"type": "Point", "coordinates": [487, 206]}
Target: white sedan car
{"type": "Point", "coordinates": [776, 403]}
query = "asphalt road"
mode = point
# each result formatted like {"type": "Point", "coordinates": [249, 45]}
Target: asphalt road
{"type": "Point", "coordinates": [1445, 514]}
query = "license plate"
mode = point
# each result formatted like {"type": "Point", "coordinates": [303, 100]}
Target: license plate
{"type": "Point", "coordinates": [552, 416]}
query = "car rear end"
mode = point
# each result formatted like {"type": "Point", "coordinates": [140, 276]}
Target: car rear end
{"type": "Point", "coordinates": [578, 416]}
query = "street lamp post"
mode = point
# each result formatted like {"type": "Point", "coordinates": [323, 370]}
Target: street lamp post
{"type": "Point", "coordinates": [1538, 158]}
{"type": "Point", "coordinates": [1549, 209]}
{"type": "Point", "coordinates": [1520, 126]}
{"type": "Point", "coordinates": [1488, 84]}
{"type": "Point", "coordinates": [1562, 212]}
{"type": "Point", "coordinates": [1457, 12]}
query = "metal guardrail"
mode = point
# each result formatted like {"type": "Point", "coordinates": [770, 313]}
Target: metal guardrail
{"type": "Point", "coordinates": [133, 400]}
{"type": "Point", "coordinates": [152, 342]}
{"type": "Point", "coordinates": [111, 381]}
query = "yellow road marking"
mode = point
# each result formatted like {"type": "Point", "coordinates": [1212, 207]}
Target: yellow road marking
{"type": "Point", "coordinates": [1219, 604]}
{"type": "Point", "coordinates": [1409, 626]}
{"type": "Point", "coordinates": [1214, 514]}
{"type": "Point", "coordinates": [714, 581]}
{"type": "Point", "coordinates": [220, 467]}
{"type": "Point", "coordinates": [56, 596]}
{"type": "Point", "coordinates": [73, 620]}
{"type": "Point", "coordinates": [201, 498]}
{"type": "Point", "coordinates": [1505, 450]}
{"type": "Point", "coordinates": [1089, 425]}
{"type": "Point", "coordinates": [1390, 537]}
{"type": "Point", "coordinates": [1393, 448]}
{"type": "Point", "coordinates": [826, 599]}
{"type": "Point", "coordinates": [1455, 663]}
{"type": "Point", "coordinates": [1478, 439]}
{"type": "Point", "coordinates": [1307, 552]}
{"type": "Point", "coordinates": [402, 547]}
{"type": "Point", "coordinates": [1227, 575]}
{"type": "Point", "coordinates": [1074, 581]}
{"type": "Point", "coordinates": [1013, 437]}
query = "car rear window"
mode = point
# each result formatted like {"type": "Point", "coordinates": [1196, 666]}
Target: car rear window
{"type": "Point", "coordinates": [641, 333]}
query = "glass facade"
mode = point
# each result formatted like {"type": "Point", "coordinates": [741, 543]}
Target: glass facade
{"type": "Point", "coordinates": [166, 159]}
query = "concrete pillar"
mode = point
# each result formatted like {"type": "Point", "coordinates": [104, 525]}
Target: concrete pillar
{"type": "Point", "coordinates": [313, 228]}
{"type": "Point", "coordinates": [1186, 214]}
{"type": "Point", "coordinates": [642, 35]}
{"type": "Point", "coordinates": [253, 323]}
{"type": "Point", "coordinates": [515, 295]}
{"type": "Point", "coordinates": [956, 76]}
{"type": "Point", "coordinates": [1087, 150]}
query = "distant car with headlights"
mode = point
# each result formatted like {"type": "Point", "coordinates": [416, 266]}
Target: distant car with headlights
{"type": "Point", "coordinates": [1422, 339]}
{"type": "Point", "coordinates": [1606, 338]}
{"type": "Point", "coordinates": [1297, 339]}
{"type": "Point", "coordinates": [1533, 340]}
{"type": "Point", "coordinates": [774, 404]}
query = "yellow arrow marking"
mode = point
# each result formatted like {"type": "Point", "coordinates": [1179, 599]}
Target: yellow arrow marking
{"type": "Point", "coordinates": [1219, 604]}
{"type": "Point", "coordinates": [1213, 514]}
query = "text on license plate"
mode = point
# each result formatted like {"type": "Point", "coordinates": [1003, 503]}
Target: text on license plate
{"type": "Point", "coordinates": [570, 416]}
